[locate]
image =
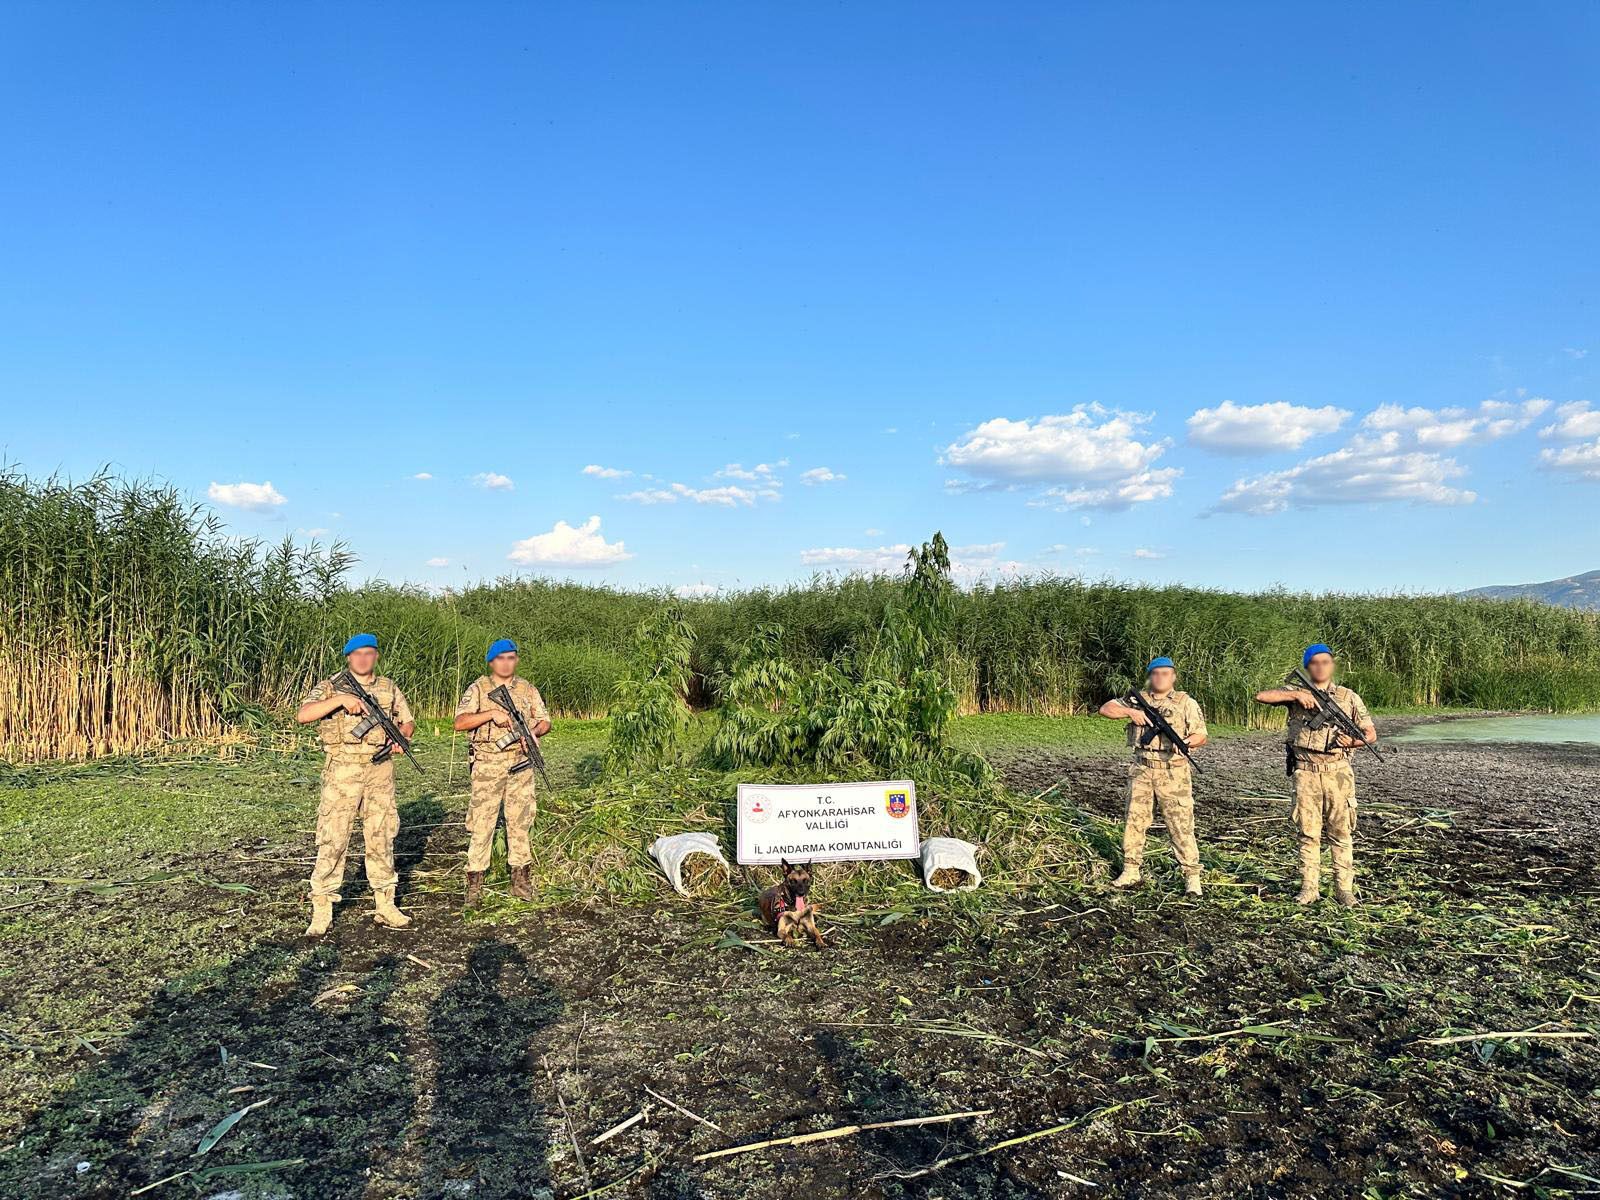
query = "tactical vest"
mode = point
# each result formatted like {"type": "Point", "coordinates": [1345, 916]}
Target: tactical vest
{"type": "Point", "coordinates": [1308, 731]}
{"type": "Point", "coordinates": [1175, 708]}
{"type": "Point", "coordinates": [486, 739]}
{"type": "Point", "coordinates": [337, 729]}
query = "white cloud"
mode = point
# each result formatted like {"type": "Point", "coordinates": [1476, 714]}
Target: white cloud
{"type": "Point", "coordinates": [1582, 460]}
{"type": "Point", "coordinates": [1257, 428]}
{"type": "Point", "coordinates": [1147, 553]}
{"type": "Point", "coordinates": [967, 563]}
{"type": "Point", "coordinates": [1574, 352]}
{"type": "Point", "coordinates": [1087, 445]}
{"type": "Point", "coordinates": [851, 558]}
{"type": "Point", "coordinates": [313, 533]}
{"type": "Point", "coordinates": [760, 473]}
{"type": "Point", "coordinates": [1092, 455]}
{"type": "Point", "coordinates": [1398, 459]}
{"type": "Point", "coordinates": [818, 475]}
{"type": "Point", "coordinates": [1574, 422]}
{"type": "Point", "coordinates": [753, 485]}
{"type": "Point", "coordinates": [437, 562]}
{"type": "Point", "coordinates": [726, 496]}
{"type": "Point", "coordinates": [873, 532]}
{"type": "Point", "coordinates": [695, 591]}
{"type": "Point", "coordinates": [423, 475]}
{"type": "Point", "coordinates": [1136, 489]}
{"type": "Point", "coordinates": [493, 481]}
{"type": "Point", "coordinates": [254, 497]}
{"type": "Point", "coordinates": [565, 546]}
{"type": "Point", "coordinates": [1446, 428]}
{"type": "Point", "coordinates": [1370, 470]}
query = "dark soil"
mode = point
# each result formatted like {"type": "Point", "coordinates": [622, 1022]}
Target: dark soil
{"type": "Point", "coordinates": [464, 1059]}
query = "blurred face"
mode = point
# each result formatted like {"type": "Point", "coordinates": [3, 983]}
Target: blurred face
{"type": "Point", "coordinates": [504, 666]}
{"type": "Point", "coordinates": [1320, 668]}
{"type": "Point", "coordinates": [1162, 679]}
{"type": "Point", "coordinates": [363, 661]}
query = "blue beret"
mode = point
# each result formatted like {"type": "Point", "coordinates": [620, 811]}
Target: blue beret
{"type": "Point", "coordinates": [359, 641]}
{"type": "Point", "coordinates": [1160, 662]}
{"type": "Point", "coordinates": [1312, 651]}
{"type": "Point", "coordinates": [503, 646]}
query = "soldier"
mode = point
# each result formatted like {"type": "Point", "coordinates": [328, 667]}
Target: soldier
{"type": "Point", "coordinates": [494, 752]}
{"type": "Point", "coordinates": [1160, 772]}
{"type": "Point", "coordinates": [354, 785]}
{"type": "Point", "coordinates": [1324, 780]}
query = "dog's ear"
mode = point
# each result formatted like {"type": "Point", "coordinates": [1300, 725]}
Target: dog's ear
{"type": "Point", "coordinates": [783, 865]}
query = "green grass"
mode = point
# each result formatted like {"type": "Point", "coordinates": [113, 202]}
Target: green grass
{"type": "Point", "coordinates": [1002, 737]}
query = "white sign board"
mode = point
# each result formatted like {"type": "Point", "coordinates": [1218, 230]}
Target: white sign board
{"type": "Point", "coordinates": [827, 822]}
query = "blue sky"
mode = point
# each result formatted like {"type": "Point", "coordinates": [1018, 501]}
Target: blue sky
{"type": "Point", "coordinates": [1235, 295]}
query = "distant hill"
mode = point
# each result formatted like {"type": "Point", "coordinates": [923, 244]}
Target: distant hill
{"type": "Point", "coordinates": [1575, 591]}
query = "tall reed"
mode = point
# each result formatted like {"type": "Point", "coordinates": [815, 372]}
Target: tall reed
{"type": "Point", "coordinates": [129, 620]}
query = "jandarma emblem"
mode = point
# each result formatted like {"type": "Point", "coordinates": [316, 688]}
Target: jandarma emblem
{"type": "Point", "coordinates": [898, 804]}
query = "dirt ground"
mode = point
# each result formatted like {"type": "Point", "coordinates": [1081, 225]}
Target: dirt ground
{"type": "Point", "coordinates": [1235, 1046]}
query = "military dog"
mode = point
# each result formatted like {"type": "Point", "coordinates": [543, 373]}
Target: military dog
{"type": "Point", "coordinates": [786, 907]}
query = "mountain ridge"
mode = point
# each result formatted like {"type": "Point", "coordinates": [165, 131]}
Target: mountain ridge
{"type": "Point", "coordinates": [1574, 591]}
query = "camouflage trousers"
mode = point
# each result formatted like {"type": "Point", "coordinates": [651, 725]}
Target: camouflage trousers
{"type": "Point", "coordinates": [355, 787]}
{"type": "Point", "coordinates": [1325, 803]}
{"type": "Point", "coordinates": [1172, 786]}
{"type": "Point", "coordinates": [494, 788]}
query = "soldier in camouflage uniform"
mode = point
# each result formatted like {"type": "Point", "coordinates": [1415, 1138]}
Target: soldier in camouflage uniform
{"type": "Point", "coordinates": [1159, 772]}
{"type": "Point", "coordinates": [1324, 778]}
{"type": "Point", "coordinates": [495, 750]}
{"type": "Point", "coordinates": [353, 785]}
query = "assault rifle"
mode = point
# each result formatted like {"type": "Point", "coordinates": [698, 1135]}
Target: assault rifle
{"type": "Point", "coordinates": [1158, 726]}
{"type": "Point", "coordinates": [1330, 714]}
{"type": "Point", "coordinates": [533, 758]}
{"type": "Point", "coordinates": [376, 718]}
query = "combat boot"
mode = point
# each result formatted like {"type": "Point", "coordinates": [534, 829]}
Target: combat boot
{"type": "Point", "coordinates": [1191, 885]}
{"type": "Point", "coordinates": [1344, 888]}
{"type": "Point", "coordinates": [522, 882]}
{"type": "Point", "coordinates": [1129, 878]}
{"type": "Point", "coordinates": [1310, 890]}
{"type": "Point", "coordinates": [321, 916]}
{"type": "Point", "coordinates": [474, 887]}
{"type": "Point", "coordinates": [386, 913]}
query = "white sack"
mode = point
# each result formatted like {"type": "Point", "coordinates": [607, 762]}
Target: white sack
{"type": "Point", "coordinates": [670, 853]}
{"type": "Point", "coordinates": [939, 853]}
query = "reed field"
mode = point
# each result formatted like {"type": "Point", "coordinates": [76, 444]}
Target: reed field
{"type": "Point", "coordinates": [133, 621]}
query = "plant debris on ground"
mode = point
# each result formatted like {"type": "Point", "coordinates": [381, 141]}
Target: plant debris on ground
{"type": "Point", "coordinates": [1438, 1041]}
